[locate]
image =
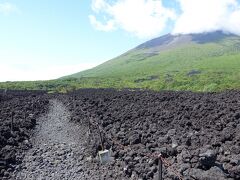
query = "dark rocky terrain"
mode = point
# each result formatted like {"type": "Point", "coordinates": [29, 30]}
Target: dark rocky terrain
{"type": "Point", "coordinates": [57, 148]}
{"type": "Point", "coordinates": [23, 107]}
{"type": "Point", "coordinates": [197, 134]}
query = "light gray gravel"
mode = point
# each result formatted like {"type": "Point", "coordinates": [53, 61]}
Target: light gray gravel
{"type": "Point", "coordinates": [57, 151]}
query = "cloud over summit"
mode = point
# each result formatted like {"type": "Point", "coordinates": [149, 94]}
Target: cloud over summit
{"type": "Point", "coordinates": [208, 15]}
{"type": "Point", "coordinates": [149, 18]}
{"type": "Point", "coordinates": [143, 18]}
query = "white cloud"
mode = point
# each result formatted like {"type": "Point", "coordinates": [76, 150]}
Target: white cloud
{"type": "Point", "coordinates": [14, 73]}
{"type": "Point", "coordinates": [143, 18]}
{"type": "Point", "coordinates": [98, 5]}
{"type": "Point", "coordinates": [234, 22]}
{"type": "Point", "coordinates": [7, 8]}
{"type": "Point", "coordinates": [109, 26]}
{"type": "Point", "coordinates": [148, 18]}
{"type": "Point", "coordinates": [208, 15]}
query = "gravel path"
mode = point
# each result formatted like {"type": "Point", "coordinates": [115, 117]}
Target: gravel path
{"type": "Point", "coordinates": [57, 150]}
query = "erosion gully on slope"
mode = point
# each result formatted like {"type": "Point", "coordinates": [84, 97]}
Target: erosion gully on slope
{"type": "Point", "coordinates": [57, 147]}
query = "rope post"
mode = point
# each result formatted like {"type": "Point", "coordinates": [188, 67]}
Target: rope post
{"type": "Point", "coordinates": [160, 177]}
{"type": "Point", "coordinates": [12, 122]}
{"type": "Point", "coordinates": [89, 126]}
{"type": "Point", "coordinates": [25, 114]}
{"type": "Point", "coordinates": [100, 135]}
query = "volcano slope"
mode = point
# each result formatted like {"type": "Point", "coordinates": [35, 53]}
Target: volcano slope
{"type": "Point", "coordinates": [197, 62]}
{"type": "Point", "coordinates": [198, 134]}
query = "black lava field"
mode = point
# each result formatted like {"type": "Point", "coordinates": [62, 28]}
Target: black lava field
{"type": "Point", "coordinates": [197, 134]}
{"type": "Point", "coordinates": [23, 107]}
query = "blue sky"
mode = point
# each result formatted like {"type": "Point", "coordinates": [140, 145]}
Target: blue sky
{"type": "Point", "coordinates": [45, 39]}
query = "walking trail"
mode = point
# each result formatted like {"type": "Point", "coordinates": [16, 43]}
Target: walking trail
{"type": "Point", "coordinates": [57, 150]}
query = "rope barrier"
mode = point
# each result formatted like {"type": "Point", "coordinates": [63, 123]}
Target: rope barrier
{"type": "Point", "coordinates": [168, 164]}
{"type": "Point", "coordinates": [153, 155]}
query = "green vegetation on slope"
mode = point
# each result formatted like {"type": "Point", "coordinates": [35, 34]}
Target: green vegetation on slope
{"type": "Point", "coordinates": [211, 66]}
{"type": "Point", "coordinates": [197, 67]}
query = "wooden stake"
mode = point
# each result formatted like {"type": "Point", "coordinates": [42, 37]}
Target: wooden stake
{"type": "Point", "coordinates": [160, 168]}
{"type": "Point", "coordinates": [12, 122]}
{"type": "Point", "coordinates": [100, 135]}
{"type": "Point", "coordinates": [89, 126]}
{"type": "Point", "coordinates": [25, 114]}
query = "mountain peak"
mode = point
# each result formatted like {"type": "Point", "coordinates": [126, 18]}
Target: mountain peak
{"type": "Point", "coordinates": [169, 40]}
